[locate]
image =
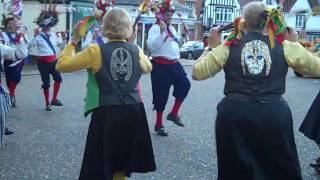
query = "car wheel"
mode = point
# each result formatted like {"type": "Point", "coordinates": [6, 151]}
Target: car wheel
{"type": "Point", "coordinates": [190, 56]}
{"type": "Point", "coordinates": [298, 74]}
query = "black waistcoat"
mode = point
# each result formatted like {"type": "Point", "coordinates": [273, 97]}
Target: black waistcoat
{"type": "Point", "coordinates": [254, 70]}
{"type": "Point", "coordinates": [119, 74]}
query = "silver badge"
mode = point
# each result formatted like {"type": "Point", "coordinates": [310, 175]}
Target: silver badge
{"type": "Point", "coordinates": [121, 64]}
{"type": "Point", "coordinates": [255, 56]}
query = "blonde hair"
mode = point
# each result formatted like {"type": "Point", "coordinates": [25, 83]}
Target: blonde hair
{"type": "Point", "coordinates": [252, 14]}
{"type": "Point", "coordinates": [117, 24]}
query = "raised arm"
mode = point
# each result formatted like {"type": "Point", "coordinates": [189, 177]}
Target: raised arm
{"type": "Point", "coordinates": [145, 63]}
{"type": "Point", "coordinates": [301, 60]}
{"type": "Point", "coordinates": [88, 58]}
{"type": "Point", "coordinates": [211, 63]}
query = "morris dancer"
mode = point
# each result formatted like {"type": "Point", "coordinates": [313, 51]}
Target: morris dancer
{"type": "Point", "coordinates": [167, 71]}
{"type": "Point", "coordinates": [254, 132]}
{"type": "Point", "coordinates": [13, 69]}
{"type": "Point", "coordinates": [47, 46]}
{"type": "Point", "coordinates": [118, 141]}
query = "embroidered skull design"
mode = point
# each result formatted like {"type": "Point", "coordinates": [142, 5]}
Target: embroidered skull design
{"type": "Point", "coordinates": [255, 56]}
{"type": "Point", "coordinates": [121, 64]}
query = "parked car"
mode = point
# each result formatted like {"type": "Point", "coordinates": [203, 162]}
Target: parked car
{"type": "Point", "coordinates": [192, 49]}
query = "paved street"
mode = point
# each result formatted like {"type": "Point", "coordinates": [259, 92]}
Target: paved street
{"type": "Point", "coordinates": [49, 145]}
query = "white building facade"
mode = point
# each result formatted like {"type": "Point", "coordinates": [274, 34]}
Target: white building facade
{"type": "Point", "coordinates": [297, 14]}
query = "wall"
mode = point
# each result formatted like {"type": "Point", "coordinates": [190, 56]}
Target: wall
{"type": "Point", "coordinates": [31, 10]}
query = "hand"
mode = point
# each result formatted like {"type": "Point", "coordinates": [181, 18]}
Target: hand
{"type": "Point", "coordinates": [64, 35]}
{"type": "Point", "coordinates": [133, 36]}
{"type": "Point", "coordinates": [291, 35]}
{"type": "Point", "coordinates": [96, 33]}
{"type": "Point", "coordinates": [163, 26]}
{"type": "Point", "coordinates": [214, 37]}
{"type": "Point", "coordinates": [36, 32]}
{"type": "Point", "coordinates": [76, 38]}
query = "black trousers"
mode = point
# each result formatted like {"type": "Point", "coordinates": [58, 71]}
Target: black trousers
{"type": "Point", "coordinates": [46, 69]}
{"type": "Point", "coordinates": [13, 73]}
{"type": "Point", "coordinates": [163, 76]}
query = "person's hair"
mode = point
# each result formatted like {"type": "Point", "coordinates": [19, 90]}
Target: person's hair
{"type": "Point", "coordinates": [255, 16]}
{"type": "Point", "coordinates": [7, 20]}
{"type": "Point", "coordinates": [117, 24]}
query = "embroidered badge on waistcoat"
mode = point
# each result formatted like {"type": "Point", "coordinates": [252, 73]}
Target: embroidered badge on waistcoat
{"type": "Point", "coordinates": [255, 56]}
{"type": "Point", "coordinates": [121, 64]}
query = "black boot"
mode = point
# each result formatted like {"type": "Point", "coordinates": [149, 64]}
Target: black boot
{"type": "Point", "coordinates": [48, 108]}
{"type": "Point", "coordinates": [175, 119]}
{"type": "Point", "coordinates": [8, 132]}
{"type": "Point", "coordinates": [56, 102]}
{"type": "Point", "coordinates": [13, 101]}
{"type": "Point", "coordinates": [161, 131]}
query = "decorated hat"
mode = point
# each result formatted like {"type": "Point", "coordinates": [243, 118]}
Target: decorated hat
{"type": "Point", "coordinates": [102, 7]}
{"type": "Point", "coordinates": [165, 6]}
{"type": "Point", "coordinates": [48, 17]}
{"type": "Point", "coordinates": [12, 10]}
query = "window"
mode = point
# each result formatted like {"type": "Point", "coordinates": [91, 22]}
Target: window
{"type": "Point", "coordinates": [219, 13]}
{"type": "Point", "coordinates": [311, 37]}
{"type": "Point", "coordinates": [269, 2]}
{"type": "Point", "coordinates": [300, 20]}
{"type": "Point", "coordinates": [191, 5]}
{"type": "Point", "coordinates": [223, 14]}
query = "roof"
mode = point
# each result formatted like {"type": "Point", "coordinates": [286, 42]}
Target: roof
{"type": "Point", "coordinates": [314, 3]}
{"type": "Point", "coordinates": [288, 4]}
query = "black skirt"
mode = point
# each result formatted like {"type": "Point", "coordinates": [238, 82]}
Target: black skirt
{"type": "Point", "coordinates": [255, 141]}
{"type": "Point", "coordinates": [118, 140]}
{"type": "Point", "coordinates": [310, 126]}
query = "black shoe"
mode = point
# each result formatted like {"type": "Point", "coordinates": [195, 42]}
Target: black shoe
{"type": "Point", "coordinates": [8, 132]}
{"type": "Point", "coordinates": [48, 108]}
{"type": "Point", "coordinates": [316, 163]}
{"type": "Point", "coordinates": [56, 102]}
{"type": "Point", "coordinates": [13, 101]}
{"type": "Point", "coordinates": [161, 131]}
{"type": "Point", "coordinates": [175, 119]}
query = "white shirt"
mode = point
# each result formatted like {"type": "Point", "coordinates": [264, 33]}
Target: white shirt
{"type": "Point", "coordinates": [21, 47]}
{"type": "Point", "coordinates": [10, 53]}
{"type": "Point", "coordinates": [88, 39]}
{"type": "Point", "coordinates": [39, 47]}
{"type": "Point", "coordinates": [168, 49]}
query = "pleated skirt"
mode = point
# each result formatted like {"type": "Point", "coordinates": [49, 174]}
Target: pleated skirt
{"type": "Point", "coordinates": [118, 140]}
{"type": "Point", "coordinates": [255, 141]}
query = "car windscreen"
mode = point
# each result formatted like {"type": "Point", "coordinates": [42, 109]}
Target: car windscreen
{"type": "Point", "coordinates": [188, 44]}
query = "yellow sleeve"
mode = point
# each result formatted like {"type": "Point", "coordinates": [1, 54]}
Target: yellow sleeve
{"type": "Point", "coordinates": [88, 58]}
{"type": "Point", "coordinates": [210, 64]}
{"type": "Point", "coordinates": [300, 59]}
{"type": "Point", "coordinates": [318, 53]}
{"type": "Point", "coordinates": [145, 63]}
